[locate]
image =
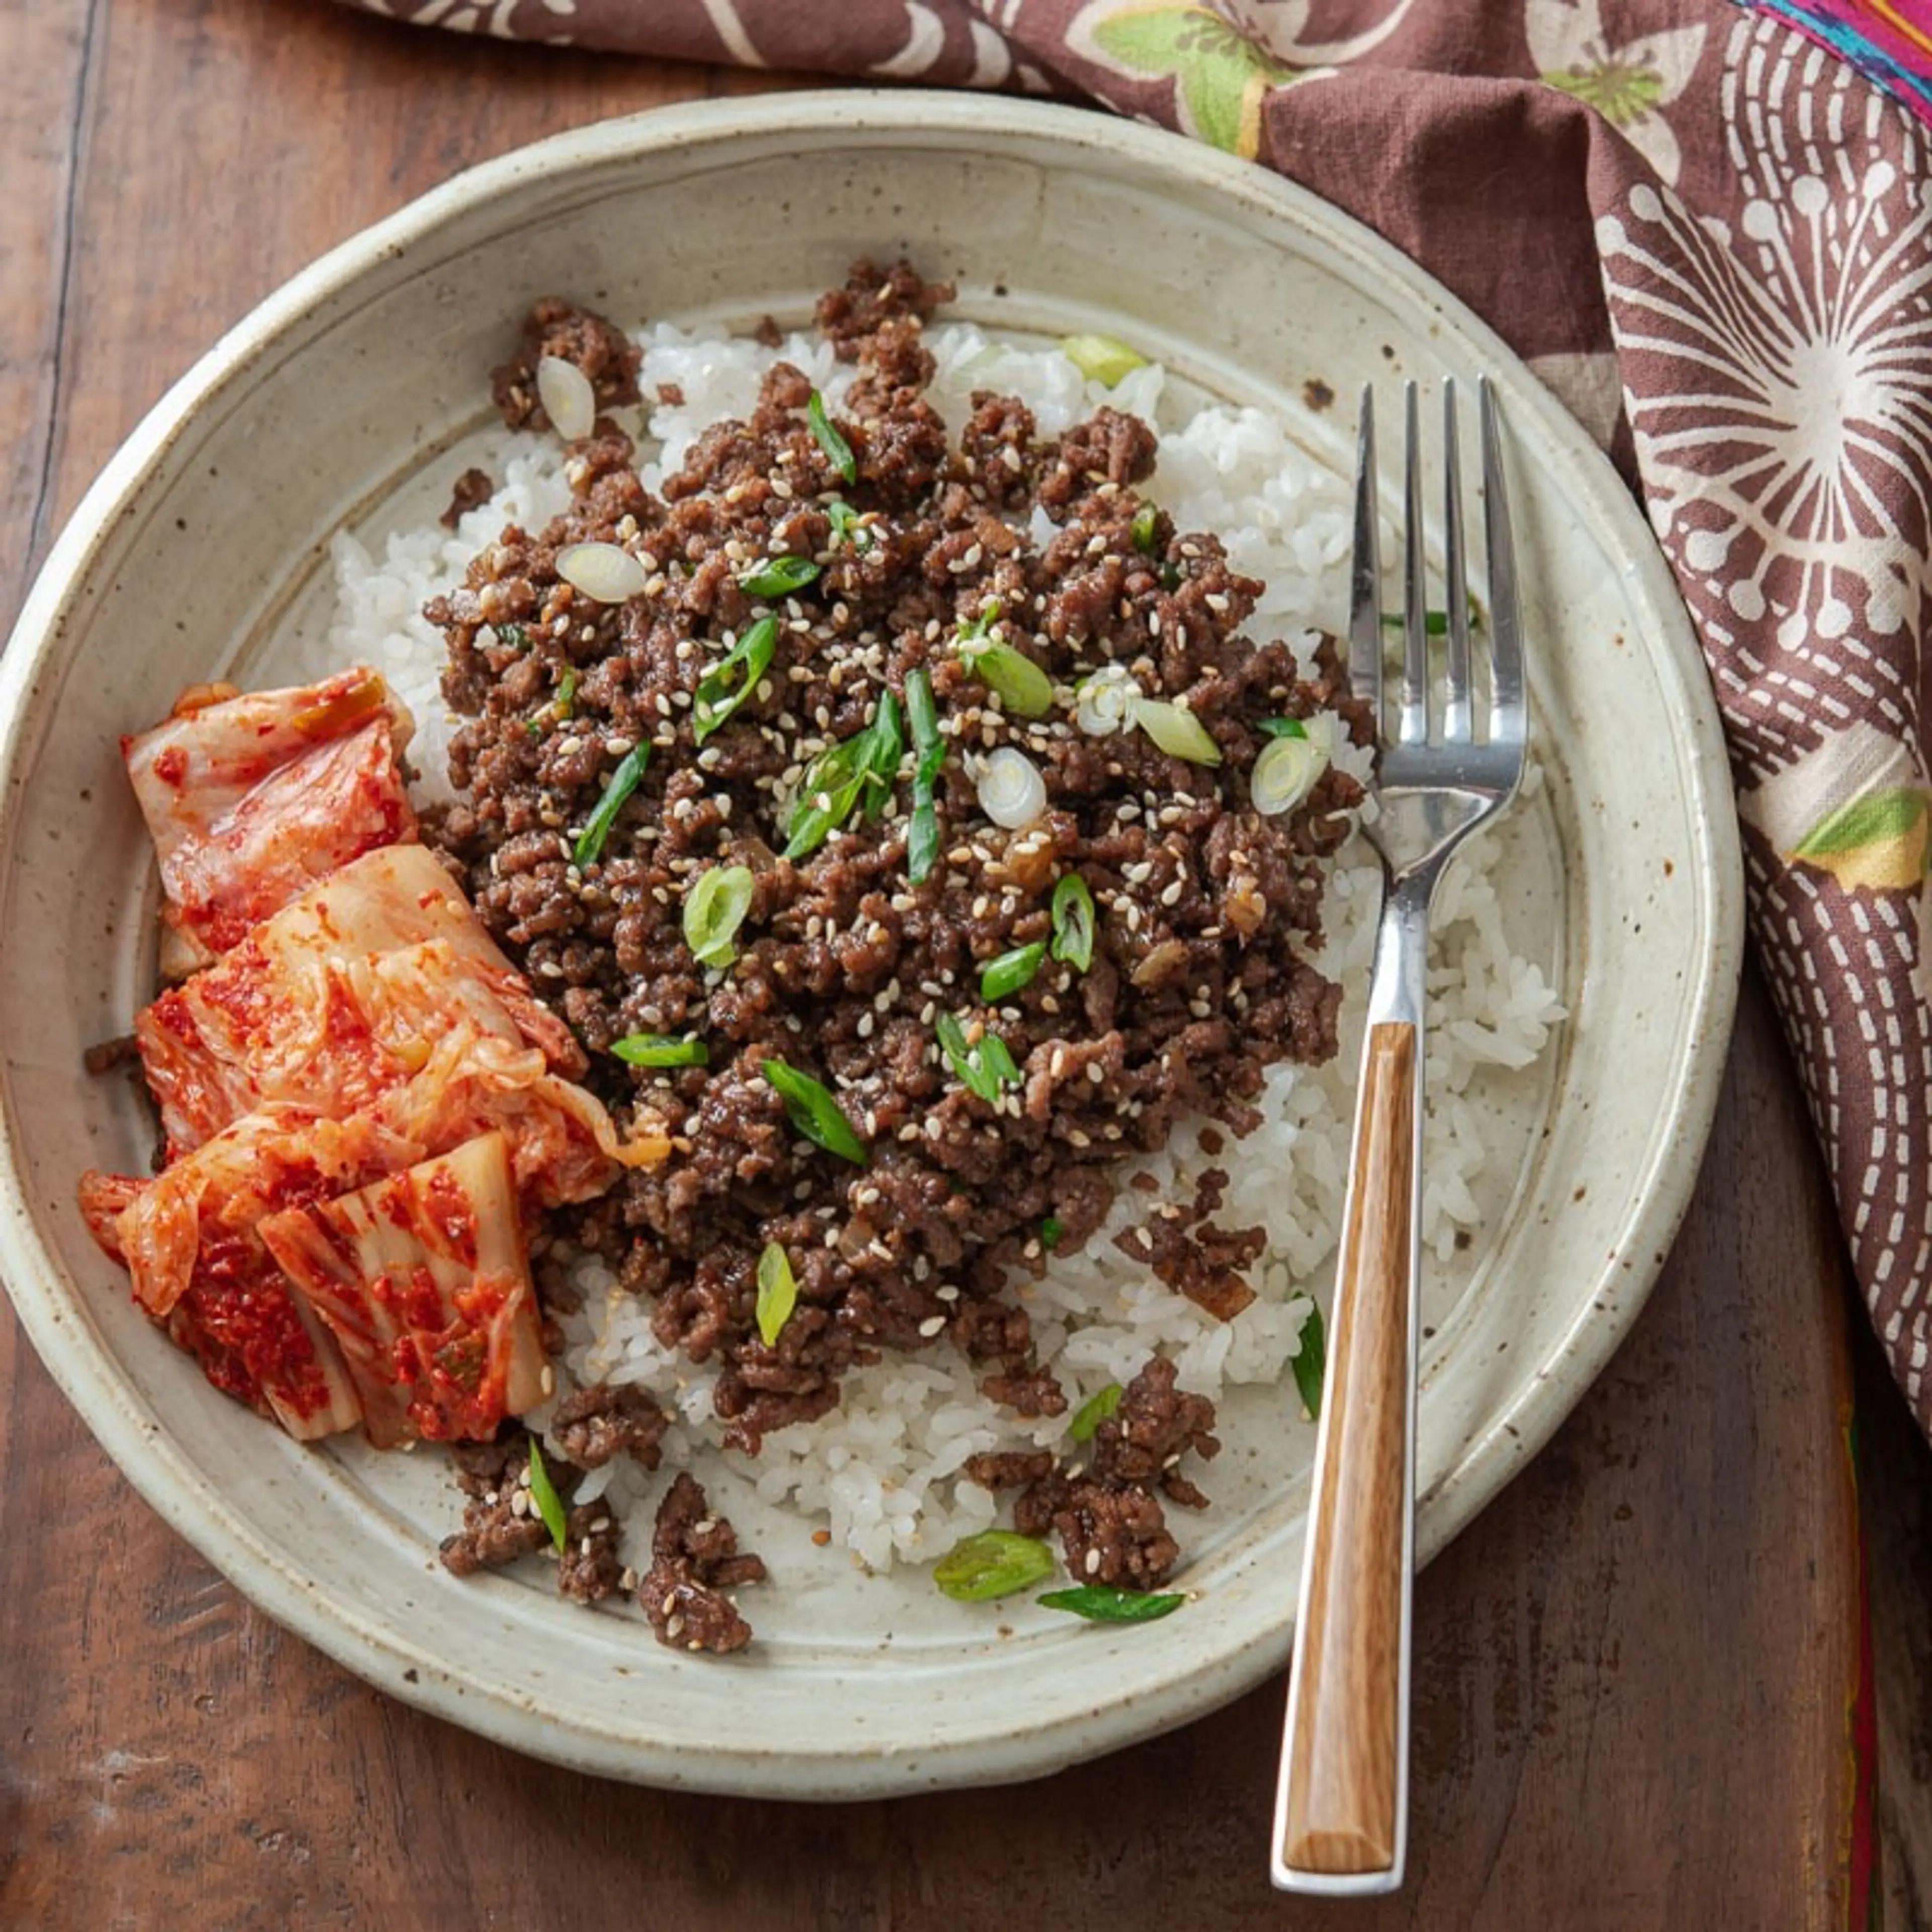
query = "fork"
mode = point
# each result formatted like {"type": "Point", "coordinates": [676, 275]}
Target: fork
{"type": "Point", "coordinates": [1341, 1808]}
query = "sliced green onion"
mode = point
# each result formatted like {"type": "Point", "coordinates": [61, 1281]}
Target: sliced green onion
{"type": "Point", "coordinates": [1310, 1362]}
{"type": "Point", "coordinates": [714, 909]}
{"type": "Point", "coordinates": [512, 637]}
{"type": "Point", "coordinates": [1144, 533]}
{"type": "Point", "coordinates": [1285, 774]}
{"type": "Point", "coordinates": [597, 827]}
{"type": "Point", "coordinates": [780, 577]}
{"type": "Point", "coordinates": [1010, 971]}
{"type": "Point", "coordinates": [811, 1109]}
{"type": "Point", "coordinates": [1282, 727]}
{"type": "Point", "coordinates": [1094, 1411]}
{"type": "Point", "coordinates": [973, 630]}
{"type": "Point", "coordinates": [1073, 922]}
{"type": "Point", "coordinates": [1177, 732]}
{"type": "Point", "coordinates": [1434, 623]}
{"type": "Point", "coordinates": [862, 766]}
{"type": "Point", "coordinates": [549, 1504]}
{"type": "Point", "coordinates": [995, 1563]}
{"type": "Point", "coordinates": [1102, 358]}
{"type": "Point", "coordinates": [848, 526]}
{"type": "Point", "coordinates": [734, 678]}
{"type": "Point", "coordinates": [1102, 703]}
{"type": "Point", "coordinates": [1052, 1231]}
{"type": "Point", "coordinates": [983, 1068]}
{"type": "Point", "coordinates": [837, 451]}
{"type": "Point", "coordinates": [567, 397]}
{"type": "Point", "coordinates": [1026, 690]}
{"type": "Point", "coordinates": [558, 707]}
{"type": "Point", "coordinates": [1102, 1603]}
{"type": "Point", "coordinates": [777, 1293]}
{"type": "Point", "coordinates": [882, 755]}
{"type": "Point", "coordinates": [929, 753]}
{"type": "Point", "coordinates": [606, 573]}
{"type": "Point", "coordinates": [1012, 793]}
{"type": "Point", "coordinates": [661, 1049]}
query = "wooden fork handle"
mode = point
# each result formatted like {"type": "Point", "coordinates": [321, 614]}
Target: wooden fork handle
{"type": "Point", "coordinates": [1344, 1786]}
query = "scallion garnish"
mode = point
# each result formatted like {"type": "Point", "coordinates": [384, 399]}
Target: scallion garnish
{"type": "Point", "coordinates": [1175, 730]}
{"type": "Point", "coordinates": [597, 828]}
{"type": "Point", "coordinates": [1023, 687]}
{"type": "Point", "coordinates": [1094, 1411]}
{"type": "Point", "coordinates": [780, 577]}
{"type": "Point", "coordinates": [995, 1563]}
{"type": "Point", "coordinates": [512, 637]}
{"type": "Point", "coordinates": [1102, 1604]}
{"type": "Point", "coordinates": [1010, 971]}
{"type": "Point", "coordinates": [1434, 623]}
{"type": "Point", "coordinates": [984, 1066]}
{"type": "Point", "coordinates": [1282, 727]}
{"type": "Point", "coordinates": [1052, 1231]}
{"type": "Point", "coordinates": [1102, 358]}
{"type": "Point", "coordinates": [811, 1109]}
{"type": "Point", "coordinates": [777, 1293]}
{"type": "Point", "coordinates": [1073, 922]}
{"type": "Point", "coordinates": [548, 1503]}
{"type": "Point", "coordinates": [714, 908]}
{"type": "Point", "coordinates": [1310, 1362]}
{"type": "Point", "coordinates": [661, 1049]}
{"type": "Point", "coordinates": [929, 753]}
{"type": "Point", "coordinates": [882, 760]}
{"type": "Point", "coordinates": [837, 451]}
{"type": "Point", "coordinates": [860, 767]}
{"type": "Point", "coordinates": [1144, 531]}
{"type": "Point", "coordinates": [848, 526]}
{"type": "Point", "coordinates": [1284, 773]}
{"type": "Point", "coordinates": [606, 573]}
{"type": "Point", "coordinates": [732, 678]}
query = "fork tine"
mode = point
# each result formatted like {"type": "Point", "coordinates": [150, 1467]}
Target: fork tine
{"type": "Point", "coordinates": [1414, 726]}
{"type": "Point", "coordinates": [1507, 721]}
{"type": "Point", "coordinates": [1456, 715]}
{"type": "Point", "coordinates": [1365, 576]}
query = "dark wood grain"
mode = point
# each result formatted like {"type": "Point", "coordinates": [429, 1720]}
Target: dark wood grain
{"type": "Point", "coordinates": [1632, 1673]}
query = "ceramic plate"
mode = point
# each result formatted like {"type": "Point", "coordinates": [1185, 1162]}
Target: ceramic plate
{"type": "Point", "coordinates": [201, 548]}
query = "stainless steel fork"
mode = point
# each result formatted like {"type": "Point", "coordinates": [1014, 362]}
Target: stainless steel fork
{"type": "Point", "coordinates": [1341, 1811]}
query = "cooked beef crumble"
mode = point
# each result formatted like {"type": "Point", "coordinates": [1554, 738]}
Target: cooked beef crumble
{"type": "Point", "coordinates": [694, 1560]}
{"type": "Point", "coordinates": [910, 545]}
{"type": "Point", "coordinates": [1105, 1513]}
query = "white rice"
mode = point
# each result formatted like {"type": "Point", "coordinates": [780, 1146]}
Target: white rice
{"type": "Point", "coordinates": [881, 1473]}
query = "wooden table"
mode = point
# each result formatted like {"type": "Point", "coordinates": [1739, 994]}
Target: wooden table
{"type": "Point", "coordinates": [1634, 1672]}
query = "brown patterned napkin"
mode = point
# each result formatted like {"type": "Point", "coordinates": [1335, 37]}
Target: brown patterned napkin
{"type": "Point", "coordinates": [1712, 240]}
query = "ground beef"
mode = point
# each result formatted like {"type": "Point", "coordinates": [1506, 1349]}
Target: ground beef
{"type": "Point", "coordinates": [605, 354]}
{"type": "Point", "coordinates": [844, 968]}
{"type": "Point", "coordinates": [471, 487]}
{"type": "Point", "coordinates": [501, 1522]}
{"type": "Point", "coordinates": [1194, 1258]}
{"type": "Point", "coordinates": [593, 1425]}
{"type": "Point", "coordinates": [694, 1560]}
{"type": "Point", "coordinates": [589, 1566]}
{"type": "Point", "coordinates": [1113, 1533]}
{"type": "Point", "coordinates": [1109, 1521]}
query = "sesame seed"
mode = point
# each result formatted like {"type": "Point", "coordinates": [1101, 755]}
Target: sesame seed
{"type": "Point", "coordinates": [1092, 1565]}
{"type": "Point", "coordinates": [933, 1324]}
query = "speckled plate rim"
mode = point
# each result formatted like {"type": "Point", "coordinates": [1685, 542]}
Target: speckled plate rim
{"type": "Point", "coordinates": [363, 1637]}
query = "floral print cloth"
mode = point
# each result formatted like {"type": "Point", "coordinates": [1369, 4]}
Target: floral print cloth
{"type": "Point", "coordinates": [1732, 290]}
